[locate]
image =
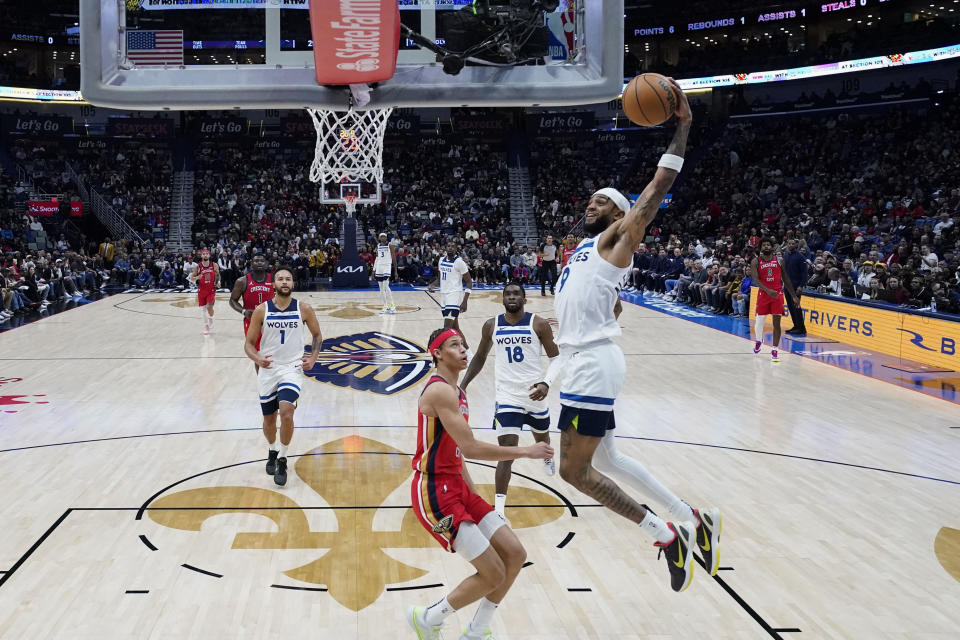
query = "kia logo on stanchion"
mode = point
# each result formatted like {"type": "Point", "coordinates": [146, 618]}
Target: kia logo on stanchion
{"type": "Point", "coordinates": [356, 269]}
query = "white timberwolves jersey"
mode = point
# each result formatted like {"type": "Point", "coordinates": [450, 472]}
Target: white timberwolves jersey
{"type": "Point", "coordinates": [282, 334]}
{"type": "Point", "coordinates": [451, 274]}
{"type": "Point", "coordinates": [383, 265]}
{"type": "Point", "coordinates": [518, 351]}
{"type": "Point", "coordinates": [588, 290]}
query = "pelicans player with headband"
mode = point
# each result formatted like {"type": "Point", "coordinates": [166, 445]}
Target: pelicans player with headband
{"type": "Point", "coordinates": [587, 307]}
{"type": "Point", "coordinates": [445, 499]}
{"type": "Point", "coordinates": [207, 276]}
{"type": "Point", "coordinates": [278, 325]}
{"type": "Point", "coordinates": [254, 288]}
{"type": "Point", "coordinates": [521, 394]}
{"type": "Point", "coordinates": [767, 272]}
{"type": "Point", "coordinates": [383, 267]}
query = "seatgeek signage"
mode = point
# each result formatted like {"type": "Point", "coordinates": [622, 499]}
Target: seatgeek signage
{"type": "Point", "coordinates": [911, 336]}
{"type": "Point", "coordinates": [355, 41]}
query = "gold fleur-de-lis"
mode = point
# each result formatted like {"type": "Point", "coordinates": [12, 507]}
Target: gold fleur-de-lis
{"type": "Point", "coordinates": [355, 475]}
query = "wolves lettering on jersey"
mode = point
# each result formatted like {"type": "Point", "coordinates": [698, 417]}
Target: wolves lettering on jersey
{"type": "Point", "coordinates": [589, 288]}
{"type": "Point", "coordinates": [282, 333]}
{"type": "Point", "coordinates": [256, 293]}
{"type": "Point", "coordinates": [437, 452]}
{"type": "Point", "coordinates": [518, 351]}
{"type": "Point", "coordinates": [451, 274]}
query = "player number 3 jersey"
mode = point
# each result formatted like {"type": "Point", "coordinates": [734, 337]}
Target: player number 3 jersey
{"type": "Point", "coordinates": [282, 334]}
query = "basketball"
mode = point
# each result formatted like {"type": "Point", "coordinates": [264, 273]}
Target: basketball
{"type": "Point", "coordinates": [648, 100]}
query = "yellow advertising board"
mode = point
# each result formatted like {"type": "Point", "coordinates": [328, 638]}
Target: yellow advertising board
{"type": "Point", "coordinates": [910, 336]}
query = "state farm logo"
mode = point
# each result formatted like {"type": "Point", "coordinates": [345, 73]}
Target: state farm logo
{"type": "Point", "coordinates": [358, 28]}
{"type": "Point", "coordinates": [360, 65]}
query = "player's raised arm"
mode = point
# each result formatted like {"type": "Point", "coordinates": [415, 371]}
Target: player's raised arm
{"type": "Point", "coordinates": [630, 232]}
{"type": "Point", "coordinates": [443, 400]}
{"type": "Point", "coordinates": [480, 357]}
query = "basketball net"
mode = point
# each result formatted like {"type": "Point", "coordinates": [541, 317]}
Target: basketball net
{"type": "Point", "coordinates": [349, 145]}
{"type": "Point", "coordinates": [350, 204]}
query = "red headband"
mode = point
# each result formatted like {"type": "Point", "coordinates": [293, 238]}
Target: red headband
{"type": "Point", "coordinates": [443, 337]}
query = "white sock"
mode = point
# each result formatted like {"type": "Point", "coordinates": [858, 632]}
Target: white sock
{"type": "Point", "coordinates": [656, 528]}
{"type": "Point", "coordinates": [483, 616]}
{"type": "Point", "coordinates": [387, 292]}
{"type": "Point", "coordinates": [383, 295]}
{"type": "Point", "coordinates": [758, 328]}
{"type": "Point", "coordinates": [282, 451]}
{"type": "Point", "coordinates": [609, 460]}
{"type": "Point", "coordinates": [274, 445]}
{"type": "Point", "coordinates": [500, 502]}
{"type": "Point", "coordinates": [437, 613]}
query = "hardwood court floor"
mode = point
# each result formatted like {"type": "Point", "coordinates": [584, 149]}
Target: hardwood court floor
{"type": "Point", "coordinates": [134, 502]}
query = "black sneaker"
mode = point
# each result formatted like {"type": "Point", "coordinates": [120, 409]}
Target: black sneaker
{"type": "Point", "coordinates": [280, 477]}
{"type": "Point", "coordinates": [272, 462]}
{"type": "Point", "coordinates": [708, 538]}
{"type": "Point", "coordinates": [679, 554]}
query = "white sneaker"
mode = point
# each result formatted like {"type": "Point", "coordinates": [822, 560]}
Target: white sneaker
{"type": "Point", "coordinates": [392, 308]}
{"type": "Point", "coordinates": [550, 467]}
{"type": "Point", "coordinates": [472, 635]}
{"type": "Point", "coordinates": [384, 310]}
{"type": "Point", "coordinates": [424, 631]}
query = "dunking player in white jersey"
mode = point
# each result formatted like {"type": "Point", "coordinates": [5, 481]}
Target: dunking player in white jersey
{"type": "Point", "coordinates": [278, 325]}
{"type": "Point", "coordinates": [383, 267]}
{"type": "Point", "coordinates": [587, 307]}
{"type": "Point", "coordinates": [521, 395]}
{"type": "Point", "coordinates": [452, 273]}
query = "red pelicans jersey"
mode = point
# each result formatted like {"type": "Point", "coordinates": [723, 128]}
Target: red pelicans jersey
{"type": "Point", "coordinates": [257, 292]}
{"type": "Point", "coordinates": [437, 452]}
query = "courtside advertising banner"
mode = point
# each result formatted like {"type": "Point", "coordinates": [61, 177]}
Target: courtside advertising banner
{"type": "Point", "coordinates": [355, 41]}
{"type": "Point", "coordinates": [911, 336]}
{"type": "Point", "coordinates": [42, 208]}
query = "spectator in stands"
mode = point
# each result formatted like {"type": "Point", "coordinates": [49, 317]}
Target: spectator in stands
{"type": "Point", "coordinates": [143, 279]}
{"type": "Point", "coordinates": [894, 293]}
{"type": "Point", "coordinates": [920, 294]}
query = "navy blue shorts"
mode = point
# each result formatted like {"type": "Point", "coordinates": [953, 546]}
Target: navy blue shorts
{"type": "Point", "coordinates": [588, 422]}
{"type": "Point", "coordinates": [510, 420]}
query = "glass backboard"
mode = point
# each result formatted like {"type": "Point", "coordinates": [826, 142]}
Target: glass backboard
{"type": "Point", "coordinates": [217, 54]}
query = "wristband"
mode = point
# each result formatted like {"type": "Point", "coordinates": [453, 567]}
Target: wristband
{"type": "Point", "coordinates": [671, 161]}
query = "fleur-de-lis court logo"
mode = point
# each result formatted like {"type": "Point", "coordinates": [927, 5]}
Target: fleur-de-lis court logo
{"type": "Point", "coordinates": [371, 361]}
{"type": "Point", "coordinates": [355, 476]}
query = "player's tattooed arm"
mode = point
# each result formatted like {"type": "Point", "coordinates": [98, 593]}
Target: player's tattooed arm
{"type": "Point", "coordinates": [480, 357]}
{"type": "Point", "coordinates": [632, 228]}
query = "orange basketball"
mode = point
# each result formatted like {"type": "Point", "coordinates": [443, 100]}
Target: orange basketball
{"type": "Point", "coordinates": [649, 100]}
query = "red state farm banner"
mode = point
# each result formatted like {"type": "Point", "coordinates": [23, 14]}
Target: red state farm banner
{"type": "Point", "coordinates": [76, 208]}
{"type": "Point", "coordinates": [42, 208]}
{"type": "Point", "coordinates": [355, 41]}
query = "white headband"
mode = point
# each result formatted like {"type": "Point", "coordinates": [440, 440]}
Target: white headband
{"type": "Point", "coordinates": [618, 198]}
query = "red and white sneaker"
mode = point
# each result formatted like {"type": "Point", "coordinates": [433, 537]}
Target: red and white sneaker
{"type": "Point", "coordinates": [756, 347]}
{"type": "Point", "coordinates": [774, 356]}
